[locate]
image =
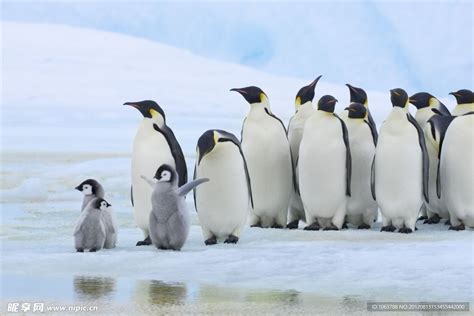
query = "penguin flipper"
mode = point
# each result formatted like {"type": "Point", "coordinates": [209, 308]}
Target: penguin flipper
{"type": "Point", "coordinates": [131, 194]}
{"type": "Point", "coordinates": [373, 127]}
{"type": "Point", "coordinates": [176, 152]}
{"type": "Point", "coordinates": [194, 193]}
{"type": "Point", "coordinates": [186, 188]}
{"type": "Point", "coordinates": [295, 181]}
{"type": "Point", "coordinates": [372, 179]}
{"type": "Point", "coordinates": [443, 109]}
{"type": "Point", "coordinates": [345, 136]}
{"type": "Point", "coordinates": [438, 181]}
{"type": "Point", "coordinates": [424, 155]}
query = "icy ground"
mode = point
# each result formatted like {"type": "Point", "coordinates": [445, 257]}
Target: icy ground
{"type": "Point", "coordinates": [62, 122]}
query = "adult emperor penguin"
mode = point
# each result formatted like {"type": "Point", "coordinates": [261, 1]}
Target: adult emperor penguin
{"type": "Point", "coordinates": [267, 151]}
{"type": "Point", "coordinates": [361, 207]}
{"type": "Point", "coordinates": [425, 103]}
{"type": "Point", "coordinates": [154, 145]}
{"type": "Point", "coordinates": [400, 178]}
{"type": "Point", "coordinates": [435, 130]}
{"type": "Point", "coordinates": [224, 202]}
{"type": "Point", "coordinates": [303, 109]}
{"type": "Point", "coordinates": [324, 168]}
{"type": "Point", "coordinates": [457, 171]}
{"type": "Point", "coordinates": [358, 95]}
{"type": "Point", "coordinates": [465, 100]}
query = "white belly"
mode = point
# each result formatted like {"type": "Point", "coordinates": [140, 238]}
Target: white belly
{"type": "Point", "coordinates": [457, 169]}
{"type": "Point", "coordinates": [267, 152]}
{"type": "Point", "coordinates": [149, 153]}
{"type": "Point", "coordinates": [398, 169]}
{"type": "Point", "coordinates": [362, 153]}
{"type": "Point", "coordinates": [423, 115]}
{"type": "Point", "coordinates": [322, 167]}
{"type": "Point", "coordinates": [223, 202]}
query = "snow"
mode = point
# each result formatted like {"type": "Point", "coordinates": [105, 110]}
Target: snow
{"type": "Point", "coordinates": [63, 121]}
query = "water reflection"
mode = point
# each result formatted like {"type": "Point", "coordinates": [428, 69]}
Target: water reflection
{"type": "Point", "coordinates": [159, 293]}
{"type": "Point", "coordinates": [90, 287]}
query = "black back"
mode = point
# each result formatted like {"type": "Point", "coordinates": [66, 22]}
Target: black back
{"type": "Point", "coordinates": [345, 137]}
{"type": "Point", "coordinates": [424, 154]}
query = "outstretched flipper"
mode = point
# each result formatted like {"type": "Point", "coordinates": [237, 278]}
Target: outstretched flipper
{"type": "Point", "coordinates": [150, 182]}
{"type": "Point", "coordinates": [185, 188]}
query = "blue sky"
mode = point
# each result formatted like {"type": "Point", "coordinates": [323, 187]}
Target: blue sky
{"type": "Point", "coordinates": [419, 46]}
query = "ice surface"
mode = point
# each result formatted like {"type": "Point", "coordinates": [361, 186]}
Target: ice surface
{"type": "Point", "coordinates": [63, 121]}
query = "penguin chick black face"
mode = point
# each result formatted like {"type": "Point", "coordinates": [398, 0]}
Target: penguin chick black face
{"type": "Point", "coordinates": [463, 96]}
{"type": "Point", "coordinates": [306, 93]}
{"type": "Point", "coordinates": [422, 100]}
{"type": "Point", "coordinates": [165, 173]}
{"type": "Point", "coordinates": [252, 94]}
{"type": "Point", "coordinates": [327, 103]}
{"type": "Point", "coordinates": [356, 111]}
{"type": "Point", "coordinates": [101, 204]}
{"type": "Point", "coordinates": [399, 97]}
{"type": "Point", "coordinates": [88, 187]}
{"type": "Point", "coordinates": [358, 95]}
{"type": "Point", "coordinates": [149, 109]}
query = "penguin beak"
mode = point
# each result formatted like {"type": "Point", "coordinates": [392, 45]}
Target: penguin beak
{"type": "Point", "coordinates": [108, 204]}
{"type": "Point", "coordinates": [78, 188]}
{"type": "Point", "coordinates": [241, 91]}
{"type": "Point", "coordinates": [142, 110]}
{"type": "Point", "coordinates": [315, 81]}
{"type": "Point", "coordinates": [454, 94]}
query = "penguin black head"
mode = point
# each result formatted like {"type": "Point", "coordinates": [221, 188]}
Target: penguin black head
{"type": "Point", "coordinates": [101, 204]}
{"type": "Point", "coordinates": [356, 111]}
{"type": "Point", "coordinates": [165, 173]}
{"type": "Point", "coordinates": [88, 187]}
{"type": "Point", "coordinates": [306, 93]}
{"type": "Point", "coordinates": [327, 103]}
{"type": "Point", "coordinates": [358, 95]}
{"type": "Point", "coordinates": [399, 97]}
{"type": "Point", "coordinates": [463, 96]}
{"type": "Point", "coordinates": [422, 100]}
{"type": "Point", "coordinates": [252, 94]}
{"type": "Point", "coordinates": [208, 141]}
{"type": "Point", "coordinates": [148, 108]}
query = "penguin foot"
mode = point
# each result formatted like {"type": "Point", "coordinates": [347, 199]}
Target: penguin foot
{"type": "Point", "coordinates": [211, 241]}
{"type": "Point", "coordinates": [314, 226]}
{"type": "Point", "coordinates": [405, 230]}
{"type": "Point", "coordinates": [457, 228]}
{"type": "Point", "coordinates": [144, 242]}
{"type": "Point", "coordinates": [388, 228]}
{"type": "Point", "coordinates": [332, 227]}
{"type": "Point", "coordinates": [92, 250]}
{"type": "Point", "coordinates": [80, 249]}
{"type": "Point", "coordinates": [432, 220]}
{"type": "Point", "coordinates": [422, 218]}
{"type": "Point", "coordinates": [292, 225]}
{"type": "Point", "coordinates": [257, 225]}
{"type": "Point", "coordinates": [363, 226]}
{"type": "Point", "coordinates": [416, 228]}
{"type": "Point", "coordinates": [231, 239]}
{"type": "Point", "coordinates": [448, 222]}
{"type": "Point", "coordinates": [344, 226]}
{"type": "Point", "coordinates": [277, 226]}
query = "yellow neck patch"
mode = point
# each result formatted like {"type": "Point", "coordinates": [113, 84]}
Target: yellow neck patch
{"type": "Point", "coordinates": [263, 97]}
{"type": "Point", "coordinates": [216, 137]}
{"type": "Point", "coordinates": [433, 102]}
{"type": "Point", "coordinates": [154, 113]}
{"type": "Point", "coordinates": [298, 101]}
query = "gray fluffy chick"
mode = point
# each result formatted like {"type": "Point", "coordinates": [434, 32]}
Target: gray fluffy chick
{"type": "Point", "coordinates": [169, 218]}
{"type": "Point", "coordinates": [90, 230]}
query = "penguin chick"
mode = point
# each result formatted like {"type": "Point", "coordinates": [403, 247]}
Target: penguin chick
{"type": "Point", "coordinates": [90, 231]}
{"type": "Point", "coordinates": [169, 218]}
{"type": "Point", "coordinates": [91, 189]}
{"type": "Point", "coordinates": [111, 228]}
{"type": "Point", "coordinates": [465, 100]}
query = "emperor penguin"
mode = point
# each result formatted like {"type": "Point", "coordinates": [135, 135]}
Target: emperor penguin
{"type": "Point", "coordinates": [435, 131]}
{"type": "Point", "coordinates": [324, 168]}
{"type": "Point", "coordinates": [361, 206]}
{"type": "Point", "coordinates": [465, 101]}
{"type": "Point", "coordinates": [267, 151]}
{"type": "Point", "coordinates": [169, 218]}
{"type": "Point", "coordinates": [457, 171]}
{"type": "Point", "coordinates": [358, 95]}
{"type": "Point", "coordinates": [154, 145]}
{"type": "Point", "coordinates": [223, 203]}
{"type": "Point", "coordinates": [400, 179]}
{"type": "Point", "coordinates": [303, 109]}
{"type": "Point", "coordinates": [90, 230]}
{"type": "Point", "coordinates": [425, 103]}
{"type": "Point", "coordinates": [91, 189]}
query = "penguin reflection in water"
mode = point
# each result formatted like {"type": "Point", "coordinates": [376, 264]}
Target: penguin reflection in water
{"type": "Point", "coordinates": [169, 218]}
{"type": "Point", "coordinates": [401, 166]}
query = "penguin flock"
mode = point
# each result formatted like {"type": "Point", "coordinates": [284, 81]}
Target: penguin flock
{"type": "Point", "coordinates": [327, 170]}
